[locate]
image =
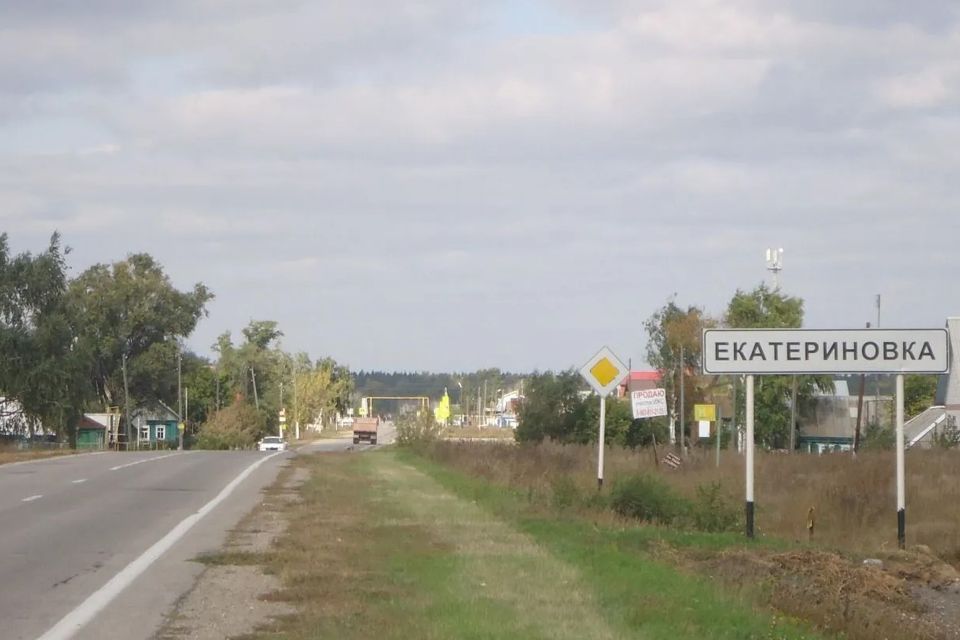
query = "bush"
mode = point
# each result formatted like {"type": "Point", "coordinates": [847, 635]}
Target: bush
{"type": "Point", "coordinates": [566, 493]}
{"type": "Point", "coordinates": [239, 426]}
{"type": "Point", "coordinates": [647, 498]}
{"type": "Point", "coordinates": [714, 511]}
{"type": "Point", "coordinates": [417, 429]}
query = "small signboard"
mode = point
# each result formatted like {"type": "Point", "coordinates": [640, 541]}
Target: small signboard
{"type": "Point", "coordinates": [705, 412]}
{"type": "Point", "coordinates": [704, 428]}
{"type": "Point", "coordinates": [649, 403]}
{"type": "Point", "coordinates": [604, 372]}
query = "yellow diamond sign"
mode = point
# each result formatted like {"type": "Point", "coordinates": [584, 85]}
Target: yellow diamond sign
{"type": "Point", "coordinates": [604, 371]}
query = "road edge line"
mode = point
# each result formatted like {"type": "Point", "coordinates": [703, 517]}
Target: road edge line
{"type": "Point", "coordinates": [98, 600]}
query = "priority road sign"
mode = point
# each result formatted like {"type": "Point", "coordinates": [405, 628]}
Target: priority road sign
{"type": "Point", "coordinates": [604, 371]}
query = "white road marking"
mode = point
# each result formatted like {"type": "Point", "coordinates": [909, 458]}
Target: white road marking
{"type": "Point", "coordinates": [132, 464]}
{"type": "Point", "coordinates": [80, 481]}
{"type": "Point", "coordinates": [32, 498]}
{"type": "Point", "coordinates": [100, 599]}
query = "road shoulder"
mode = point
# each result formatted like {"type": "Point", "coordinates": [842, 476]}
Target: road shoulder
{"type": "Point", "coordinates": [231, 597]}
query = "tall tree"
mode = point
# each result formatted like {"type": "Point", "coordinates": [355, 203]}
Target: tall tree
{"type": "Point", "coordinates": [256, 368]}
{"type": "Point", "coordinates": [552, 409]}
{"type": "Point", "coordinates": [41, 360]}
{"type": "Point", "coordinates": [322, 390]}
{"type": "Point", "coordinates": [131, 309]}
{"type": "Point", "coordinates": [672, 332]}
{"type": "Point", "coordinates": [769, 308]}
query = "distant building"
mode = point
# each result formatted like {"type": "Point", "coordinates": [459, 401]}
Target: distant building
{"type": "Point", "coordinates": [921, 430]}
{"type": "Point", "coordinates": [94, 429]}
{"type": "Point", "coordinates": [639, 381]}
{"type": "Point", "coordinates": [829, 424]}
{"type": "Point", "coordinates": [156, 427]}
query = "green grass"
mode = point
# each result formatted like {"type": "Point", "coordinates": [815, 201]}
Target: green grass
{"type": "Point", "coordinates": [650, 598]}
{"type": "Point", "coordinates": [389, 546]}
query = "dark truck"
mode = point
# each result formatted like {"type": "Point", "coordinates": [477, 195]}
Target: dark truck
{"type": "Point", "coordinates": [365, 430]}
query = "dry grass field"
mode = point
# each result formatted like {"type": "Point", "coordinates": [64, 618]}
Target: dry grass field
{"type": "Point", "coordinates": [11, 454]}
{"type": "Point", "coordinates": [853, 499]}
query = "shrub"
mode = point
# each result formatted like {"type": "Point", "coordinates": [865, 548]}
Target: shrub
{"type": "Point", "coordinates": [566, 493]}
{"type": "Point", "coordinates": [417, 429]}
{"type": "Point", "coordinates": [647, 498]}
{"type": "Point", "coordinates": [713, 510]}
{"type": "Point", "coordinates": [239, 426]}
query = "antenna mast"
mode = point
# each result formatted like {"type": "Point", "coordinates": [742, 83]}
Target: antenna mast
{"type": "Point", "coordinates": [775, 265]}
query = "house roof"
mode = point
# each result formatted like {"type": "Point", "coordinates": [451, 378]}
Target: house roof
{"type": "Point", "coordinates": [88, 421]}
{"type": "Point", "coordinates": [652, 376]}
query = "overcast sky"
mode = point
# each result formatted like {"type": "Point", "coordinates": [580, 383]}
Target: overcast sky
{"type": "Point", "coordinates": [462, 184]}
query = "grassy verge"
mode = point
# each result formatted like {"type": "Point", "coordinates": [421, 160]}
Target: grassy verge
{"type": "Point", "coordinates": [545, 492]}
{"type": "Point", "coordinates": [8, 456]}
{"type": "Point", "coordinates": [388, 546]}
{"type": "Point", "coordinates": [650, 598]}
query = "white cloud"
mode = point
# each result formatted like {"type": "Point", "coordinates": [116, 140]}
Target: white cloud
{"type": "Point", "coordinates": [305, 159]}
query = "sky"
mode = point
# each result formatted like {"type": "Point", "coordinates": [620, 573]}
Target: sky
{"type": "Point", "coordinates": [451, 185]}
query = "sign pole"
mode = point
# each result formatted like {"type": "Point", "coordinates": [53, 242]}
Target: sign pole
{"type": "Point", "coordinates": [749, 447]}
{"type": "Point", "coordinates": [719, 433]}
{"type": "Point", "coordinates": [901, 484]}
{"type": "Point", "coordinates": [603, 372]}
{"type": "Point", "coordinates": [603, 420]}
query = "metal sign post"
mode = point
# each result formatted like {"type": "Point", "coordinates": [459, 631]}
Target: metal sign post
{"type": "Point", "coordinates": [901, 484]}
{"type": "Point", "coordinates": [600, 447]}
{"type": "Point", "coordinates": [603, 372]}
{"type": "Point", "coordinates": [748, 446]}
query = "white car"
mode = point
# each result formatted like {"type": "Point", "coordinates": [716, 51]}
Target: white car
{"type": "Point", "coordinates": [272, 443]}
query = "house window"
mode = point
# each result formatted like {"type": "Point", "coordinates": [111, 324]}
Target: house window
{"type": "Point", "coordinates": [161, 432]}
{"type": "Point", "coordinates": [144, 433]}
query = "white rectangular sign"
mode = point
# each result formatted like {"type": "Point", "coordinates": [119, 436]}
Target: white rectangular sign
{"type": "Point", "coordinates": [786, 351]}
{"type": "Point", "coordinates": [649, 403]}
{"type": "Point", "coordinates": [704, 431]}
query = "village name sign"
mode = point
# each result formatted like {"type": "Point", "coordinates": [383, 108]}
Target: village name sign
{"type": "Point", "coordinates": [789, 351]}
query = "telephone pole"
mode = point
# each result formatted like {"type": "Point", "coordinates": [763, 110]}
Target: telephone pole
{"type": "Point", "coordinates": [126, 401]}
{"type": "Point", "coordinates": [682, 407]}
{"type": "Point", "coordinates": [256, 398]}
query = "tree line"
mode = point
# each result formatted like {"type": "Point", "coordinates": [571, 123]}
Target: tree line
{"type": "Point", "coordinates": [114, 336]}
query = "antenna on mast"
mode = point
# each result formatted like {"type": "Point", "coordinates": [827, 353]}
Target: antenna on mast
{"type": "Point", "coordinates": [775, 265]}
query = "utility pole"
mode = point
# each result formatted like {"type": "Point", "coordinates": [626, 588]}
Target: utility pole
{"type": "Point", "coordinates": [183, 420]}
{"type": "Point", "coordinates": [876, 378]}
{"type": "Point", "coordinates": [256, 397]}
{"type": "Point", "coordinates": [179, 385]}
{"type": "Point", "coordinates": [126, 401]}
{"type": "Point", "coordinates": [218, 388]}
{"type": "Point", "coordinates": [483, 418]}
{"type": "Point", "coordinates": [793, 416]}
{"type": "Point", "coordinates": [856, 433]}
{"type": "Point", "coordinates": [296, 408]}
{"type": "Point", "coordinates": [683, 444]}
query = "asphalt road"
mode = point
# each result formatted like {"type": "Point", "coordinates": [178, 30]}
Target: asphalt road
{"type": "Point", "coordinates": [107, 540]}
